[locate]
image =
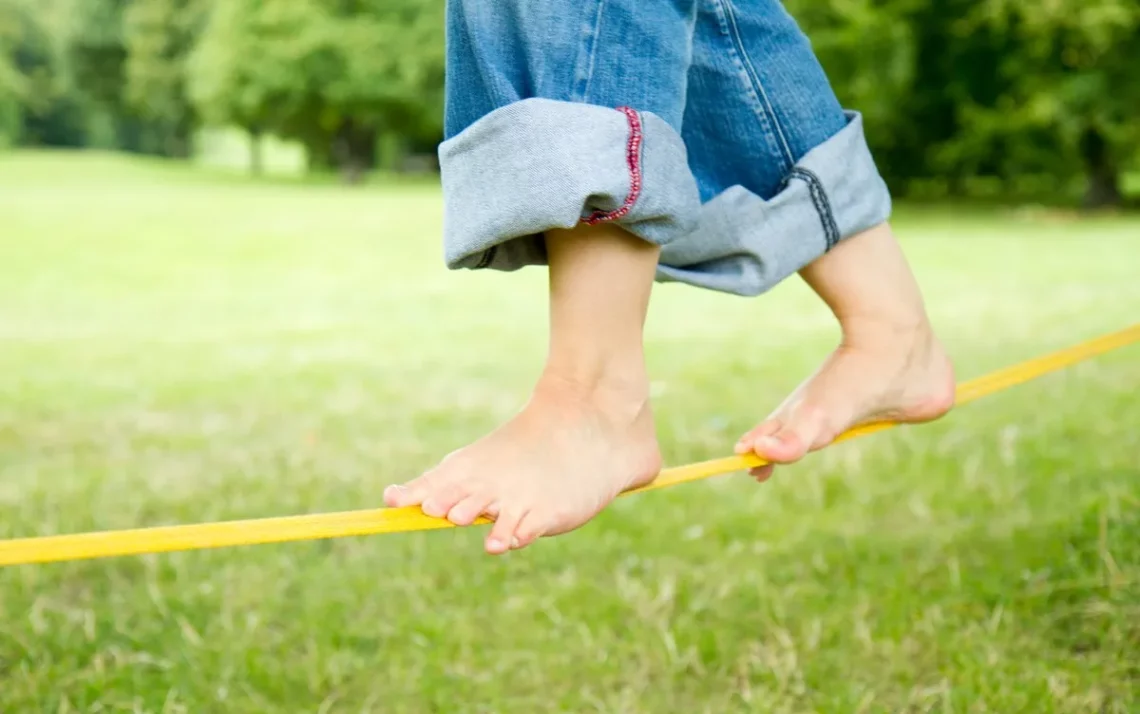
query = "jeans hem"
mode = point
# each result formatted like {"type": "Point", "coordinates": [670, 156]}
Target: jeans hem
{"type": "Point", "coordinates": [746, 244]}
{"type": "Point", "coordinates": [539, 164]}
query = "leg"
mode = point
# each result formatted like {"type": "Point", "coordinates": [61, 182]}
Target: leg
{"type": "Point", "coordinates": [533, 139]}
{"type": "Point", "coordinates": [587, 433]}
{"type": "Point", "coordinates": [821, 208]}
{"type": "Point", "coordinates": [889, 365]}
{"type": "Point", "coordinates": [783, 171]}
{"type": "Point", "coordinates": [539, 168]}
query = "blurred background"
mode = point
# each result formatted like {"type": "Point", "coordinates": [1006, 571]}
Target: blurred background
{"type": "Point", "coordinates": [222, 296]}
{"type": "Point", "coordinates": [964, 98]}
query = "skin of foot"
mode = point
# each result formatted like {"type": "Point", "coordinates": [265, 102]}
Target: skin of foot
{"type": "Point", "coordinates": [889, 365]}
{"type": "Point", "coordinates": [587, 432]}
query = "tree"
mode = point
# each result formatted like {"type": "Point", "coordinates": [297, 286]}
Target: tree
{"type": "Point", "coordinates": [158, 36]}
{"type": "Point", "coordinates": [958, 89]}
{"type": "Point", "coordinates": [37, 102]}
{"type": "Point", "coordinates": [911, 66]}
{"type": "Point", "coordinates": [124, 56]}
{"type": "Point", "coordinates": [1074, 80]}
{"type": "Point", "coordinates": [13, 83]}
{"type": "Point", "coordinates": [96, 50]}
{"type": "Point", "coordinates": [331, 75]}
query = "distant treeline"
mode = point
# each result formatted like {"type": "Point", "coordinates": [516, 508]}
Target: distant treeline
{"type": "Point", "coordinates": [1017, 97]}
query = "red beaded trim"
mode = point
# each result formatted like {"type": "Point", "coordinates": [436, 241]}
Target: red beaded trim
{"type": "Point", "coordinates": [633, 160]}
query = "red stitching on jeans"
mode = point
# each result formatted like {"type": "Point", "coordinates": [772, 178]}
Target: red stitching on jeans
{"type": "Point", "coordinates": [633, 160]}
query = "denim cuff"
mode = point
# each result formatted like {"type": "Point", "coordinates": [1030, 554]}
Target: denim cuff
{"type": "Point", "coordinates": [539, 164]}
{"type": "Point", "coordinates": [745, 244]}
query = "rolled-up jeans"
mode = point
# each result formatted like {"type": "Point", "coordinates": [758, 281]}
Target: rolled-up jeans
{"type": "Point", "coordinates": [707, 127]}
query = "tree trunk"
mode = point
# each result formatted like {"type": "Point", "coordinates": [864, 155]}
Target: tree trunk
{"type": "Point", "coordinates": [180, 140]}
{"type": "Point", "coordinates": [390, 151]}
{"type": "Point", "coordinates": [178, 147]}
{"type": "Point", "coordinates": [1103, 187]}
{"type": "Point", "coordinates": [354, 150]}
{"type": "Point", "coordinates": [317, 155]}
{"type": "Point", "coordinates": [256, 159]}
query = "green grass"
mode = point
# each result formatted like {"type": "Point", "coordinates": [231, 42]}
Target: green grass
{"type": "Point", "coordinates": [175, 347]}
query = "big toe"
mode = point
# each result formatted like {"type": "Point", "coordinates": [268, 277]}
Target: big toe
{"type": "Point", "coordinates": [783, 447]}
{"type": "Point", "coordinates": [747, 443]}
{"type": "Point", "coordinates": [395, 496]}
{"type": "Point", "coordinates": [408, 494]}
{"type": "Point", "coordinates": [795, 437]}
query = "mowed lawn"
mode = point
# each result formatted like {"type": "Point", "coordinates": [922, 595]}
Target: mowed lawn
{"type": "Point", "coordinates": [180, 347]}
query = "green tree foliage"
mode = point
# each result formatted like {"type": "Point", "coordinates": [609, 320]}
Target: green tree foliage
{"type": "Point", "coordinates": [1023, 92]}
{"type": "Point", "coordinates": [332, 75]}
{"type": "Point", "coordinates": [99, 53]}
{"type": "Point", "coordinates": [158, 36]}
{"type": "Point", "coordinates": [36, 104]}
{"type": "Point", "coordinates": [1018, 95]}
{"type": "Point", "coordinates": [13, 82]}
{"type": "Point", "coordinates": [223, 88]}
{"type": "Point", "coordinates": [97, 50]}
{"type": "Point", "coordinates": [95, 72]}
{"type": "Point", "coordinates": [1073, 79]}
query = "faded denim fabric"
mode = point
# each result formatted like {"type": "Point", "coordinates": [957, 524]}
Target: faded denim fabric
{"type": "Point", "coordinates": [705, 126]}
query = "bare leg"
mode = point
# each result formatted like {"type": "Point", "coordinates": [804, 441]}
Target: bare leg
{"type": "Point", "coordinates": [889, 365]}
{"type": "Point", "coordinates": [587, 432]}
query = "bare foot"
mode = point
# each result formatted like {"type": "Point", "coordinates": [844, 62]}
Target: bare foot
{"type": "Point", "coordinates": [879, 373]}
{"type": "Point", "coordinates": [552, 468]}
{"type": "Point", "coordinates": [587, 433]}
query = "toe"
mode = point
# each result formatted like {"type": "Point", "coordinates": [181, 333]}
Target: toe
{"type": "Point", "coordinates": [529, 530]}
{"type": "Point", "coordinates": [762, 473]}
{"type": "Point", "coordinates": [783, 447]}
{"type": "Point", "coordinates": [466, 511]}
{"type": "Point", "coordinates": [747, 442]}
{"type": "Point", "coordinates": [394, 495]}
{"type": "Point", "coordinates": [502, 535]}
{"type": "Point", "coordinates": [795, 437]}
{"type": "Point", "coordinates": [444, 498]}
{"type": "Point", "coordinates": [411, 493]}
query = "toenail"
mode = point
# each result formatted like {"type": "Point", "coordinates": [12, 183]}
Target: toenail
{"type": "Point", "coordinates": [495, 544]}
{"type": "Point", "coordinates": [515, 543]}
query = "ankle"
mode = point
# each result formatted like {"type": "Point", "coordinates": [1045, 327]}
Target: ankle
{"type": "Point", "coordinates": [888, 330]}
{"type": "Point", "coordinates": [867, 282]}
{"type": "Point", "coordinates": [622, 394]}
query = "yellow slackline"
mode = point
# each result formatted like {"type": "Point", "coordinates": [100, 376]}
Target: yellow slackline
{"type": "Point", "coordinates": [82, 546]}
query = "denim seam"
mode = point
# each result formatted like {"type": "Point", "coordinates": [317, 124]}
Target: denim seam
{"type": "Point", "coordinates": [633, 163]}
{"type": "Point", "coordinates": [587, 54]}
{"type": "Point", "coordinates": [487, 258]}
{"type": "Point", "coordinates": [764, 105]}
{"type": "Point", "coordinates": [820, 201]}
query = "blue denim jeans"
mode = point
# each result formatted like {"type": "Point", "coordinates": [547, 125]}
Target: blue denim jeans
{"type": "Point", "coordinates": [707, 127]}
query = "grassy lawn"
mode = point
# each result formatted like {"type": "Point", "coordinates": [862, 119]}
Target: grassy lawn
{"type": "Point", "coordinates": [177, 347]}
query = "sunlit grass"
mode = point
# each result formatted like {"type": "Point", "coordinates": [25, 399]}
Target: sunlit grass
{"type": "Point", "coordinates": [176, 348]}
